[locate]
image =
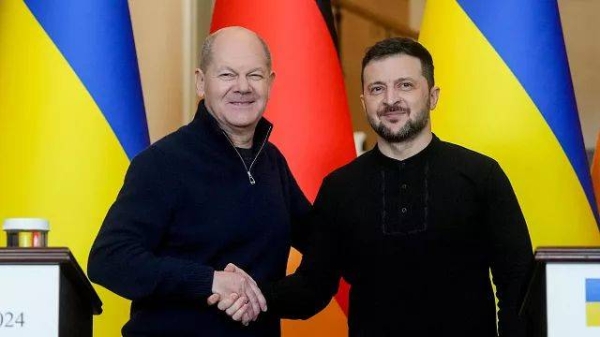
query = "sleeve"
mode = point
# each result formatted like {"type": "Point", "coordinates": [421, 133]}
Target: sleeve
{"type": "Point", "coordinates": [300, 213]}
{"type": "Point", "coordinates": [309, 290]}
{"type": "Point", "coordinates": [511, 251]}
{"type": "Point", "coordinates": [123, 258]}
{"type": "Point", "coordinates": [299, 206]}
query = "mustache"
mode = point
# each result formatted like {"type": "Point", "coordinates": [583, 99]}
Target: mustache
{"type": "Point", "coordinates": [388, 108]}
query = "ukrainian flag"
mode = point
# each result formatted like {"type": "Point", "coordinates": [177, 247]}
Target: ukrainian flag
{"type": "Point", "coordinates": [592, 302]}
{"type": "Point", "coordinates": [71, 118]}
{"type": "Point", "coordinates": [507, 92]}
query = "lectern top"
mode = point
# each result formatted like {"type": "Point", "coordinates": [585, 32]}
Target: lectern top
{"type": "Point", "coordinates": [567, 254]}
{"type": "Point", "coordinates": [60, 256]}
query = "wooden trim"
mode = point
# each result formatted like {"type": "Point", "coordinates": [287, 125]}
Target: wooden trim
{"type": "Point", "coordinates": [385, 22]}
{"type": "Point", "coordinates": [34, 255]}
{"type": "Point", "coordinates": [189, 22]}
{"type": "Point", "coordinates": [567, 254]}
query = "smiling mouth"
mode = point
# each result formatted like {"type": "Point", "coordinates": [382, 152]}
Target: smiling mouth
{"type": "Point", "coordinates": [245, 103]}
{"type": "Point", "coordinates": [394, 113]}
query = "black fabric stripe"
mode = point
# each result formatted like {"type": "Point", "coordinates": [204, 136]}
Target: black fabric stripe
{"type": "Point", "coordinates": [326, 12]}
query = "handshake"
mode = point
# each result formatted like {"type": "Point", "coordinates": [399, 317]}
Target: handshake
{"type": "Point", "coordinates": [236, 293]}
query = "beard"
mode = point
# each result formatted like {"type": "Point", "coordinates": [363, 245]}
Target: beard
{"type": "Point", "coordinates": [408, 131]}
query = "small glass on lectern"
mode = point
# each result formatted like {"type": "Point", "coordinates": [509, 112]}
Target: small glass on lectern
{"type": "Point", "coordinates": [26, 232]}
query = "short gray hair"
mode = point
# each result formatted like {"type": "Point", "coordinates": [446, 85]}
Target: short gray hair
{"type": "Point", "coordinates": [206, 52]}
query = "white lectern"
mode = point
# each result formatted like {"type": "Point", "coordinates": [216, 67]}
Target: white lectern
{"type": "Point", "coordinates": [563, 299]}
{"type": "Point", "coordinates": [44, 292]}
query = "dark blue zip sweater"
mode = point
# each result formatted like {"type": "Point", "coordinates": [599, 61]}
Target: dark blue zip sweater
{"type": "Point", "coordinates": [187, 208]}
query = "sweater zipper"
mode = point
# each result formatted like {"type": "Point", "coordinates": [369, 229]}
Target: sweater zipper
{"type": "Point", "coordinates": [249, 168]}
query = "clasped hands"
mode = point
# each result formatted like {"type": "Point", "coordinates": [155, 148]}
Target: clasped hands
{"type": "Point", "coordinates": [236, 293]}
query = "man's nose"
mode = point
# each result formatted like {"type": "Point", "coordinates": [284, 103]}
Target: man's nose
{"type": "Point", "coordinates": [243, 85]}
{"type": "Point", "coordinates": [391, 97]}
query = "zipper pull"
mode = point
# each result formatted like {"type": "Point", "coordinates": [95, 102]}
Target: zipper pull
{"type": "Point", "coordinates": [251, 178]}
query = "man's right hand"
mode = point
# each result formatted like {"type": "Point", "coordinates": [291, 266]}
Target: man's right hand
{"type": "Point", "coordinates": [232, 290]}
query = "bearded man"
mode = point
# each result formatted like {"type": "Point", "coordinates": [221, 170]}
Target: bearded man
{"type": "Point", "coordinates": [414, 225]}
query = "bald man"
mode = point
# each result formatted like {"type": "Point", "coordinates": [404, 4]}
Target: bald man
{"type": "Point", "coordinates": [213, 192]}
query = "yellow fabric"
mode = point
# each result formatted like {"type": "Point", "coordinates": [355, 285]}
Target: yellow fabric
{"type": "Point", "coordinates": [482, 106]}
{"type": "Point", "coordinates": [596, 173]}
{"type": "Point", "coordinates": [60, 158]}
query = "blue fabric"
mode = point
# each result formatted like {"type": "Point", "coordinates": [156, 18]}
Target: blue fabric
{"type": "Point", "coordinates": [528, 37]}
{"type": "Point", "coordinates": [96, 38]}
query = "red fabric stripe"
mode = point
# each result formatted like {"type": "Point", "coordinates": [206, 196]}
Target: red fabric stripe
{"type": "Point", "coordinates": [596, 173]}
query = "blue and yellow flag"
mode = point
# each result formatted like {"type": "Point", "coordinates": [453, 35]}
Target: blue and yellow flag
{"type": "Point", "coordinates": [71, 118]}
{"type": "Point", "coordinates": [506, 91]}
{"type": "Point", "coordinates": [592, 302]}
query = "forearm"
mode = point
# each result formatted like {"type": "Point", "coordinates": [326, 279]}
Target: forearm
{"type": "Point", "coordinates": [309, 290]}
{"type": "Point", "coordinates": [298, 296]}
{"type": "Point", "coordinates": [133, 272]}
